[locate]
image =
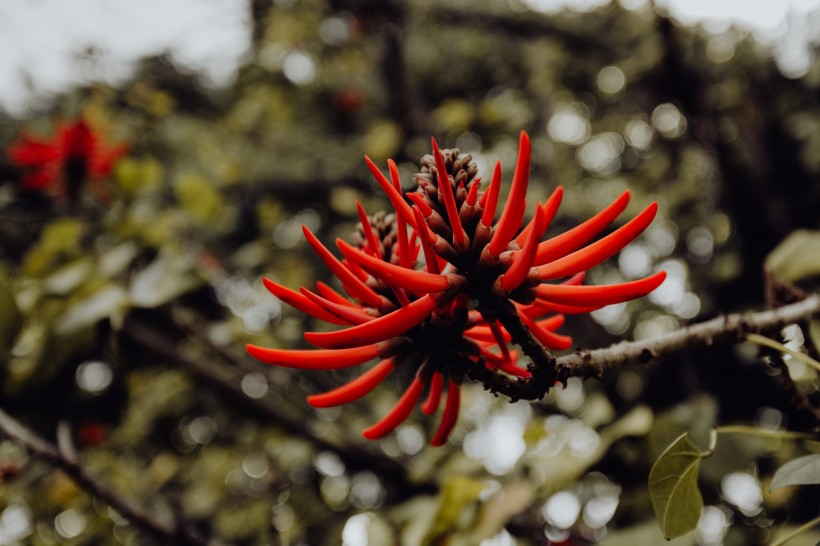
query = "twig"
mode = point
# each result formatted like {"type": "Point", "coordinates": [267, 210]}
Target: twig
{"type": "Point", "coordinates": [354, 456]}
{"type": "Point", "coordinates": [585, 363]}
{"type": "Point", "coordinates": [42, 449]}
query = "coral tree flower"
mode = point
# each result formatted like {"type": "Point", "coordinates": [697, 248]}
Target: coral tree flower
{"type": "Point", "coordinates": [59, 166]}
{"type": "Point", "coordinates": [421, 283]}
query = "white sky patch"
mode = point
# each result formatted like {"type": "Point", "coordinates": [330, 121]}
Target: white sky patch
{"type": "Point", "coordinates": [51, 45]}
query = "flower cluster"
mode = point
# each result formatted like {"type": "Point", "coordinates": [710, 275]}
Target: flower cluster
{"type": "Point", "coordinates": [444, 285]}
{"type": "Point", "coordinates": [59, 166]}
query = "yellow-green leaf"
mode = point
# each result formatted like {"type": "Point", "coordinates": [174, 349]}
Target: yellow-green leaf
{"type": "Point", "coordinates": [457, 494]}
{"type": "Point", "coordinates": [801, 471]}
{"type": "Point", "coordinates": [11, 320]}
{"type": "Point", "coordinates": [797, 257]}
{"type": "Point", "coordinates": [198, 197]}
{"type": "Point", "coordinates": [673, 487]}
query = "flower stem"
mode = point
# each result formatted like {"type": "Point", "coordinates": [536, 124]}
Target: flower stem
{"type": "Point", "coordinates": [772, 344]}
{"type": "Point", "coordinates": [754, 431]}
{"type": "Point", "coordinates": [802, 529]}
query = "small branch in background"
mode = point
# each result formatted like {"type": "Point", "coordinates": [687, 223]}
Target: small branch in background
{"type": "Point", "coordinates": [141, 519]}
{"type": "Point", "coordinates": [586, 363]}
{"type": "Point", "coordinates": [354, 456]}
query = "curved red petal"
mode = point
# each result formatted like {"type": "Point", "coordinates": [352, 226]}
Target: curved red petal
{"type": "Point", "coordinates": [355, 389]}
{"type": "Point", "coordinates": [489, 200]}
{"type": "Point", "coordinates": [430, 256]}
{"type": "Point", "coordinates": [522, 260]}
{"type": "Point", "coordinates": [314, 359]}
{"type": "Point", "coordinates": [550, 207]}
{"type": "Point", "coordinates": [446, 190]}
{"type": "Point", "coordinates": [448, 420]}
{"type": "Point", "coordinates": [372, 243]}
{"type": "Point", "coordinates": [547, 338]}
{"type": "Point", "coordinates": [302, 303]}
{"type": "Point", "coordinates": [395, 275]}
{"type": "Point", "coordinates": [401, 226]}
{"type": "Point", "coordinates": [572, 240]}
{"type": "Point", "coordinates": [599, 296]}
{"type": "Point", "coordinates": [510, 220]}
{"type": "Point", "coordinates": [398, 414]}
{"type": "Point", "coordinates": [430, 404]}
{"type": "Point", "coordinates": [331, 295]}
{"type": "Point", "coordinates": [379, 329]}
{"type": "Point", "coordinates": [395, 197]}
{"type": "Point", "coordinates": [600, 250]}
{"type": "Point", "coordinates": [349, 280]}
{"type": "Point", "coordinates": [344, 312]}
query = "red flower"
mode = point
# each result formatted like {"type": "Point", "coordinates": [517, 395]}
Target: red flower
{"type": "Point", "coordinates": [60, 165]}
{"type": "Point", "coordinates": [441, 319]}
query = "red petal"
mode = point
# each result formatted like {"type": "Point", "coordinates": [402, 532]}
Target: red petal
{"type": "Point", "coordinates": [394, 275]}
{"type": "Point", "coordinates": [572, 240]}
{"type": "Point", "coordinates": [600, 250]}
{"type": "Point", "coordinates": [551, 323]}
{"type": "Point", "coordinates": [510, 220]}
{"type": "Point", "coordinates": [459, 236]}
{"type": "Point", "coordinates": [350, 281]}
{"type": "Point", "coordinates": [547, 338]}
{"type": "Point", "coordinates": [329, 294]}
{"type": "Point", "coordinates": [472, 195]}
{"type": "Point", "coordinates": [448, 420]}
{"type": "Point", "coordinates": [395, 196]}
{"type": "Point", "coordinates": [490, 197]}
{"type": "Point", "coordinates": [368, 231]}
{"type": "Point", "coordinates": [550, 207]}
{"type": "Point", "coordinates": [301, 302]}
{"type": "Point", "coordinates": [355, 389]}
{"type": "Point", "coordinates": [398, 414]}
{"type": "Point", "coordinates": [430, 405]}
{"type": "Point", "coordinates": [430, 256]}
{"type": "Point", "coordinates": [522, 260]}
{"type": "Point", "coordinates": [344, 312]}
{"type": "Point", "coordinates": [379, 329]}
{"type": "Point", "coordinates": [539, 307]}
{"type": "Point", "coordinates": [419, 200]}
{"type": "Point", "coordinates": [599, 296]}
{"type": "Point", "coordinates": [401, 225]}
{"type": "Point", "coordinates": [485, 333]}
{"type": "Point", "coordinates": [313, 359]}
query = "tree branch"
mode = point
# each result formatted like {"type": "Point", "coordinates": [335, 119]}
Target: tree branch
{"type": "Point", "coordinates": [354, 456]}
{"type": "Point", "coordinates": [586, 363]}
{"type": "Point", "coordinates": [42, 449]}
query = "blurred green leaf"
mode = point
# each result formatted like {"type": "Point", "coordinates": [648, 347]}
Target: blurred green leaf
{"type": "Point", "coordinates": [673, 487]}
{"type": "Point", "coordinates": [109, 301]}
{"type": "Point", "coordinates": [11, 320]}
{"type": "Point", "coordinates": [136, 175]}
{"type": "Point", "coordinates": [797, 257]}
{"type": "Point", "coordinates": [801, 471]}
{"type": "Point", "coordinates": [198, 197]}
{"type": "Point", "coordinates": [170, 275]}
{"type": "Point", "coordinates": [457, 494]}
{"type": "Point", "coordinates": [60, 237]}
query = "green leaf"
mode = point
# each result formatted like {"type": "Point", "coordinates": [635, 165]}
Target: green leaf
{"type": "Point", "coordinates": [11, 320]}
{"type": "Point", "coordinates": [457, 494]}
{"type": "Point", "coordinates": [797, 257]}
{"type": "Point", "coordinates": [802, 471]}
{"type": "Point", "coordinates": [673, 487]}
{"type": "Point", "coordinates": [198, 197]}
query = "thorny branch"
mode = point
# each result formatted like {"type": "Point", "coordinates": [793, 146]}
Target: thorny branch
{"type": "Point", "coordinates": [42, 449]}
{"type": "Point", "coordinates": [732, 327]}
{"type": "Point", "coordinates": [595, 363]}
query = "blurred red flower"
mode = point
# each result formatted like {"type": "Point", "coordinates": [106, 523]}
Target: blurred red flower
{"type": "Point", "coordinates": [59, 166]}
{"type": "Point", "coordinates": [439, 315]}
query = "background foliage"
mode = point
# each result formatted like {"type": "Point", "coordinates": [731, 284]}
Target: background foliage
{"type": "Point", "coordinates": [122, 325]}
